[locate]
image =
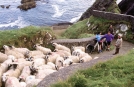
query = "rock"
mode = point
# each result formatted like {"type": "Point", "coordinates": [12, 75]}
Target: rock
{"type": "Point", "coordinates": [126, 7]}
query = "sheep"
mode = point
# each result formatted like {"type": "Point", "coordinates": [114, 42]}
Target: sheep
{"type": "Point", "coordinates": [54, 67]}
{"type": "Point", "coordinates": [33, 53]}
{"type": "Point", "coordinates": [43, 73]}
{"type": "Point", "coordinates": [62, 53]}
{"type": "Point", "coordinates": [3, 57]}
{"type": "Point", "coordinates": [21, 50]}
{"type": "Point", "coordinates": [5, 65]}
{"type": "Point", "coordinates": [23, 84]}
{"type": "Point", "coordinates": [11, 73]}
{"type": "Point", "coordinates": [42, 49]}
{"type": "Point", "coordinates": [38, 62]}
{"type": "Point", "coordinates": [61, 47]}
{"type": "Point", "coordinates": [85, 58]}
{"type": "Point", "coordinates": [78, 47]}
{"type": "Point", "coordinates": [74, 58]}
{"type": "Point", "coordinates": [8, 51]}
{"type": "Point", "coordinates": [67, 62]}
{"type": "Point", "coordinates": [25, 73]}
{"type": "Point", "coordinates": [33, 83]}
{"type": "Point", "coordinates": [59, 61]}
{"type": "Point", "coordinates": [12, 82]}
{"type": "Point", "coordinates": [51, 57]}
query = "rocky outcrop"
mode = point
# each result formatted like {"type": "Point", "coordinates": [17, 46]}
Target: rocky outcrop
{"type": "Point", "coordinates": [127, 7]}
{"type": "Point", "coordinates": [101, 5]}
{"type": "Point", "coordinates": [27, 4]}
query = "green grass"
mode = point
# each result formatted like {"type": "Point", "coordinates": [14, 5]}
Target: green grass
{"type": "Point", "coordinates": [118, 72]}
{"type": "Point", "coordinates": [31, 34]}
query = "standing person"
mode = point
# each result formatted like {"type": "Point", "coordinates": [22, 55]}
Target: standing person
{"type": "Point", "coordinates": [111, 29]}
{"type": "Point", "coordinates": [98, 38]}
{"type": "Point", "coordinates": [118, 44]}
{"type": "Point", "coordinates": [109, 37]}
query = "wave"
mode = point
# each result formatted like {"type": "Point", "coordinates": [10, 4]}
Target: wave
{"type": "Point", "coordinates": [19, 23]}
{"type": "Point", "coordinates": [75, 19]}
{"type": "Point", "coordinates": [58, 12]}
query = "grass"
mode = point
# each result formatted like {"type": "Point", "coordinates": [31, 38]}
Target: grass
{"type": "Point", "coordinates": [118, 72]}
{"type": "Point", "coordinates": [32, 35]}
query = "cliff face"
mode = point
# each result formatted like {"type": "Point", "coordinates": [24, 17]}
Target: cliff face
{"type": "Point", "coordinates": [102, 5]}
{"type": "Point", "coordinates": [127, 7]}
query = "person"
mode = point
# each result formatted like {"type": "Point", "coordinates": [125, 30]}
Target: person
{"type": "Point", "coordinates": [111, 29]}
{"type": "Point", "coordinates": [118, 44]}
{"type": "Point", "coordinates": [109, 37]}
{"type": "Point", "coordinates": [98, 38]}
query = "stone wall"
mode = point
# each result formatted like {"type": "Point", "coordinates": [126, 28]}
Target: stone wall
{"type": "Point", "coordinates": [75, 42]}
{"type": "Point", "coordinates": [113, 16]}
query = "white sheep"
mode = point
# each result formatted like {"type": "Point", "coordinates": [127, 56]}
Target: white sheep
{"type": "Point", "coordinates": [21, 50]}
{"type": "Point", "coordinates": [11, 73]}
{"type": "Point", "coordinates": [43, 73]}
{"type": "Point", "coordinates": [51, 57]}
{"type": "Point", "coordinates": [33, 53]}
{"type": "Point", "coordinates": [78, 47]}
{"type": "Point", "coordinates": [74, 58]}
{"type": "Point", "coordinates": [66, 53]}
{"type": "Point", "coordinates": [8, 51]}
{"type": "Point", "coordinates": [3, 57]}
{"type": "Point", "coordinates": [42, 49]}
{"type": "Point", "coordinates": [59, 62]}
{"type": "Point", "coordinates": [61, 47]}
{"type": "Point", "coordinates": [67, 62]}
{"type": "Point", "coordinates": [86, 58]}
{"type": "Point", "coordinates": [54, 67]}
{"type": "Point", "coordinates": [12, 82]}
{"type": "Point", "coordinates": [38, 62]}
{"type": "Point", "coordinates": [25, 73]}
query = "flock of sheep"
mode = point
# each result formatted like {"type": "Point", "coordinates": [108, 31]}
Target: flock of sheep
{"type": "Point", "coordinates": [21, 67]}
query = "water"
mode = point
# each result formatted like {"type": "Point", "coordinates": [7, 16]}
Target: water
{"type": "Point", "coordinates": [45, 14]}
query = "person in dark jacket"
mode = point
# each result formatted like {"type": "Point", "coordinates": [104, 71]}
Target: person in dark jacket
{"type": "Point", "coordinates": [111, 29]}
{"type": "Point", "coordinates": [109, 37]}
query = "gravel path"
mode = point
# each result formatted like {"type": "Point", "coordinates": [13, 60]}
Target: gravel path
{"type": "Point", "coordinates": [67, 71]}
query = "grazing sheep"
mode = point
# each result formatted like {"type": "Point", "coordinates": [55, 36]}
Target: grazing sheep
{"type": "Point", "coordinates": [12, 82]}
{"type": "Point", "coordinates": [3, 57]}
{"type": "Point", "coordinates": [42, 49]}
{"type": "Point", "coordinates": [8, 51]}
{"type": "Point", "coordinates": [21, 50]}
{"type": "Point", "coordinates": [61, 47]}
{"type": "Point", "coordinates": [85, 58]}
{"type": "Point", "coordinates": [33, 53]}
{"type": "Point", "coordinates": [78, 47]}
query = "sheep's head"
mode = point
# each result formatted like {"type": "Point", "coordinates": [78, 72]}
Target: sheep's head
{"type": "Point", "coordinates": [5, 77]}
{"type": "Point", "coordinates": [54, 44]}
{"type": "Point", "coordinates": [81, 60]}
{"type": "Point", "coordinates": [11, 57]}
{"type": "Point", "coordinates": [6, 47]}
{"type": "Point", "coordinates": [36, 45]}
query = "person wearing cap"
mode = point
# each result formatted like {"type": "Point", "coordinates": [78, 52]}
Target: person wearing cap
{"type": "Point", "coordinates": [118, 44]}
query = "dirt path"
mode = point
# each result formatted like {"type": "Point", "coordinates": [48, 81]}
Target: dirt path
{"type": "Point", "coordinates": [66, 72]}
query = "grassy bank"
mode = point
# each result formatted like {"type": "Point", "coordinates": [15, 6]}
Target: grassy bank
{"type": "Point", "coordinates": [118, 72]}
{"type": "Point", "coordinates": [26, 37]}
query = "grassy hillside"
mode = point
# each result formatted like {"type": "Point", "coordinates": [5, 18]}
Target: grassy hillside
{"type": "Point", "coordinates": [26, 37]}
{"type": "Point", "coordinates": [117, 72]}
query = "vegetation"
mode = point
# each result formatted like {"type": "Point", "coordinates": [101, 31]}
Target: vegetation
{"type": "Point", "coordinates": [118, 72]}
{"type": "Point", "coordinates": [26, 37]}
